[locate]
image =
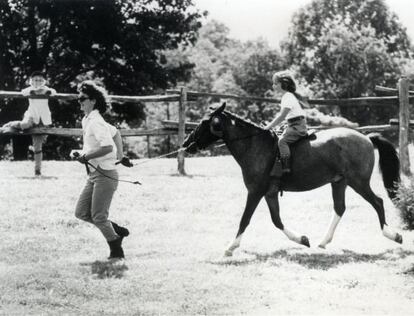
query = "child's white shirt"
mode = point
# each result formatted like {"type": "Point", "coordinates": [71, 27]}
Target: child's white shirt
{"type": "Point", "coordinates": [291, 102]}
{"type": "Point", "coordinates": [38, 109]}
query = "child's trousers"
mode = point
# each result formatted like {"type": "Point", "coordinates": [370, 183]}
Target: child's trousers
{"type": "Point", "coordinates": [295, 130]}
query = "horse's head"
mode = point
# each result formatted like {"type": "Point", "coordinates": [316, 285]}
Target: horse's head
{"type": "Point", "coordinates": [209, 130]}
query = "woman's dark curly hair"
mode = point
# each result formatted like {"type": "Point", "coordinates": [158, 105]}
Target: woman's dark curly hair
{"type": "Point", "coordinates": [95, 92]}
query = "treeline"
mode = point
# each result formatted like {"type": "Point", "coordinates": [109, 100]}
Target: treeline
{"type": "Point", "coordinates": [336, 48]}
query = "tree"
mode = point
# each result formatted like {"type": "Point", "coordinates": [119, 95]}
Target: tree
{"type": "Point", "coordinates": [122, 43]}
{"type": "Point", "coordinates": [308, 25]}
{"type": "Point", "coordinates": [343, 48]}
{"type": "Point", "coordinates": [225, 65]}
{"type": "Point", "coordinates": [213, 57]}
{"type": "Point", "coordinates": [255, 78]}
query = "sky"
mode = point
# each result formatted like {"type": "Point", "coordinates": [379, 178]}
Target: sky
{"type": "Point", "coordinates": [270, 19]}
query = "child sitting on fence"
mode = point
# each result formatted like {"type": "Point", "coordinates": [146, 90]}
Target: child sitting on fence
{"type": "Point", "coordinates": [37, 114]}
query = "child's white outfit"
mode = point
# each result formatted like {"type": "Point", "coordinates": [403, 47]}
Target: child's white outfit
{"type": "Point", "coordinates": [296, 123]}
{"type": "Point", "coordinates": [37, 114]}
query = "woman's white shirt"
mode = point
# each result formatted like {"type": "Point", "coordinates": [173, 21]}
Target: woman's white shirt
{"type": "Point", "coordinates": [98, 133]}
{"type": "Point", "coordinates": [291, 102]}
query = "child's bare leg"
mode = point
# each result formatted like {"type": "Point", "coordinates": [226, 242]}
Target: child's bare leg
{"type": "Point", "coordinates": [25, 124]}
{"type": "Point", "coordinates": [38, 155]}
{"type": "Point", "coordinates": [12, 124]}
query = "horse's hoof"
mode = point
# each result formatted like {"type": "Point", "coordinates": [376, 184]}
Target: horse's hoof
{"type": "Point", "coordinates": [305, 241]}
{"type": "Point", "coordinates": [228, 253]}
{"type": "Point", "coordinates": [398, 238]}
{"type": "Point", "coordinates": [322, 246]}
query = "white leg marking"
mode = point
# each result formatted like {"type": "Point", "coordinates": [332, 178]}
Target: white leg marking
{"type": "Point", "coordinates": [292, 235]}
{"type": "Point", "coordinates": [331, 230]}
{"type": "Point", "coordinates": [234, 245]}
{"type": "Point", "coordinates": [389, 233]}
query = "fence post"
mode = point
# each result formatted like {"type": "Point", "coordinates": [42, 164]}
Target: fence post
{"type": "Point", "coordinates": [148, 147]}
{"type": "Point", "coordinates": [181, 127]}
{"type": "Point", "coordinates": [404, 118]}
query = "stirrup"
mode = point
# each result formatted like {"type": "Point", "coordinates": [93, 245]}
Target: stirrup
{"type": "Point", "coordinates": [276, 171]}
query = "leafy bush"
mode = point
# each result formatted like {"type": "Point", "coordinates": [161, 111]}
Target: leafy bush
{"type": "Point", "coordinates": [405, 203]}
{"type": "Point", "coordinates": [315, 117]}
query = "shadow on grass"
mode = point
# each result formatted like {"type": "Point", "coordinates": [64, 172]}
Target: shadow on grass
{"type": "Point", "coordinates": [189, 176]}
{"type": "Point", "coordinates": [409, 272]}
{"type": "Point", "coordinates": [107, 269]}
{"type": "Point", "coordinates": [318, 261]}
{"type": "Point", "coordinates": [38, 177]}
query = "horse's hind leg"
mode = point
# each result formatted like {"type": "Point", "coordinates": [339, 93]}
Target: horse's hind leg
{"type": "Point", "coordinates": [365, 191]}
{"type": "Point", "coordinates": [273, 203]}
{"type": "Point", "coordinates": [338, 194]}
{"type": "Point", "coordinates": [252, 200]}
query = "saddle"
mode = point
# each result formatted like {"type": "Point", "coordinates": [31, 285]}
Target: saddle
{"type": "Point", "coordinates": [311, 135]}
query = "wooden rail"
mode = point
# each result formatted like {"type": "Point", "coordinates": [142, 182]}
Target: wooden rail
{"type": "Point", "coordinates": [71, 96]}
{"type": "Point", "coordinates": [396, 122]}
{"type": "Point", "coordinates": [173, 125]}
{"type": "Point", "coordinates": [171, 128]}
{"type": "Point", "coordinates": [363, 101]}
{"type": "Point", "coordinates": [390, 90]}
{"type": "Point", "coordinates": [189, 126]}
{"type": "Point", "coordinates": [76, 132]}
{"type": "Point", "coordinates": [192, 95]}
{"type": "Point", "coordinates": [401, 96]}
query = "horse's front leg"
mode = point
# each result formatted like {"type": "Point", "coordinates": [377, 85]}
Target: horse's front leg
{"type": "Point", "coordinates": [273, 203]}
{"type": "Point", "coordinates": [338, 195]}
{"type": "Point", "coordinates": [252, 200]}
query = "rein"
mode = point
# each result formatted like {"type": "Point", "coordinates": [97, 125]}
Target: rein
{"type": "Point", "coordinates": [246, 137]}
{"type": "Point", "coordinates": [161, 156]}
{"type": "Point", "coordinates": [88, 164]}
{"type": "Point", "coordinates": [234, 139]}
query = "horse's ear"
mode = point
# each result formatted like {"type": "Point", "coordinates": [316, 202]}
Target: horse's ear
{"type": "Point", "coordinates": [219, 109]}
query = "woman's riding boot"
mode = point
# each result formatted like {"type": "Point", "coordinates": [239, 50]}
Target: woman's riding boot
{"type": "Point", "coordinates": [116, 249]}
{"type": "Point", "coordinates": [119, 230]}
{"type": "Point", "coordinates": [285, 164]}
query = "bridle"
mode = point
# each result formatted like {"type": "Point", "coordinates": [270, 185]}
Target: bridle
{"type": "Point", "coordinates": [220, 136]}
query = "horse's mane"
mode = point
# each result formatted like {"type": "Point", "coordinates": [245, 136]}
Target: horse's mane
{"type": "Point", "coordinates": [243, 120]}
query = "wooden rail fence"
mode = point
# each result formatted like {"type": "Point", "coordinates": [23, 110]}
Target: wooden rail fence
{"type": "Point", "coordinates": [183, 96]}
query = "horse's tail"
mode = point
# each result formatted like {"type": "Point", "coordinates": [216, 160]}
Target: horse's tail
{"type": "Point", "coordinates": [389, 163]}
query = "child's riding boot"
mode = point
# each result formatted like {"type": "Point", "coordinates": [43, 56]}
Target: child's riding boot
{"type": "Point", "coordinates": [285, 164]}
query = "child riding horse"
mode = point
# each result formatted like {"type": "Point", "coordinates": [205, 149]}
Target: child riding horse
{"type": "Point", "coordinates": [338, 156]}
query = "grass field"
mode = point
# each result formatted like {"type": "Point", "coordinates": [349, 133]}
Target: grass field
{"type": "Point", "coordinates": [53, 264]}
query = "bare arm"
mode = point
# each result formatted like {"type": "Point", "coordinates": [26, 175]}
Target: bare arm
{"type": "Point", "coordinates": [118, 143]}
{"type": "Point", "coordinates": [279, 119]}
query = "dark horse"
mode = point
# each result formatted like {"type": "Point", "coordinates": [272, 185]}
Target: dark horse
{"type": "Point", "coordinates": [339, 156]}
